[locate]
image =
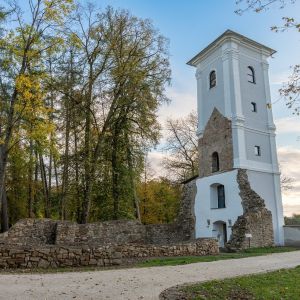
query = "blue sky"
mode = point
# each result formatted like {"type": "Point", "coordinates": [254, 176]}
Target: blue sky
{"type": "Point", "coordinates": [192, 25]}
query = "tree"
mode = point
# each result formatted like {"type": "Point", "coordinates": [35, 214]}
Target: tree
{"type": "Point", "coordinates": [182, 147]}
{"type": "Point", "coordinates": [79, 97]}
{"type": "Point", "coordinates": [290, 90]}
{"type": "Point", "coordinates": [286, 183]}
{"type": "Point", "coordinates": [21, 72]}
{"type": "Point", "coordinates": [160, 201]}
{"type": "Point", "coordinates": [124, 69]}
{"type": "Point", "coordinates": [294, 220]}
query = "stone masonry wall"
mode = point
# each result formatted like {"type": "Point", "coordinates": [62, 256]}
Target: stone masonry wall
{"type": "Point", "coordinates": [47, 243]}
{"type": "Point", "coordinates": [101, 233]}
{"type": "Point", "coordinates": [66, 233]}
{"type": "Point", "coordinates": [52, 256]}
{"type": "Point", "coordinates": [217, 137]}
{"type": "Point", "coordinates": [256, 220]}
{"type": "Point", "coordinates": [31, 232]}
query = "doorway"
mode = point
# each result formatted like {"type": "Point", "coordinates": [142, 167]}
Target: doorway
{"type": "Point", "coordinates": [220, 232]}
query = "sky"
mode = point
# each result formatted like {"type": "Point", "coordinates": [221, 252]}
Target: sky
{"type": "Point", "coordinates": [190, 26]}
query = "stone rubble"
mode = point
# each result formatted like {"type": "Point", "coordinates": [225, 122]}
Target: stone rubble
{"type": "Point", "coordinates": [256, 219]}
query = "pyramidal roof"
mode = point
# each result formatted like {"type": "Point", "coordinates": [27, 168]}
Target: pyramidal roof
{"type": "Point", "coordinates": [229, 35]}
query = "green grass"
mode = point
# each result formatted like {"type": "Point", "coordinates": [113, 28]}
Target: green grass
{"type": "Point", "coordinates": [282, 284]}
{"type": "Point", "coordinates": [183, 260]}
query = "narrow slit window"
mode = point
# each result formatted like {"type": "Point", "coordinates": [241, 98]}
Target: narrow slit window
{"type": "Point", "coordinates": [251, 74]}
{"type": "Point", "coordinates": [253, 107]}
{"type": "Point", "coordinates": [257, 151]}
{"type": "Point", "coordinates": [212, 79]}
{"type": "Point", "coordinates": [215, 162]}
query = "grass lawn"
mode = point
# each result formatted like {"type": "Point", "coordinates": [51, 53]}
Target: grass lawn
{"type": "Point", "coordinates": [282, 284]}
{"type": "Point", "coordinates": [183, 260]}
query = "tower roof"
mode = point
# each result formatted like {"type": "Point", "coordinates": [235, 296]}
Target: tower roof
{"type": "Point", "coordinates": [229, 35]}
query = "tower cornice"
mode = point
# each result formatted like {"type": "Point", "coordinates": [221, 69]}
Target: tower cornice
{"type": "Point", "coordinates": [232, 36]}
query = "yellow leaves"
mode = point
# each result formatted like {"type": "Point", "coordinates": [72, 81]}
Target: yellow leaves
{"type": "Point", "coordinates": [75, 41]}
{"type": "Point", "coordinates": [34, 115]}
{"type": "Point", "coordinates": [29, 91]}
{"type": "Point", "coordinates": [55, 10]}
{"type": "Point", "coordinates": [40, 132]}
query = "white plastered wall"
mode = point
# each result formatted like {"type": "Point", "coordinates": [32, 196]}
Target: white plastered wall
{"type": "Point", "coordinates": [203, 211]}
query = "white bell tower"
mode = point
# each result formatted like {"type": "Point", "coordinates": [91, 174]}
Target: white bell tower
{"type": "Point", "coordinates": [236, 131]}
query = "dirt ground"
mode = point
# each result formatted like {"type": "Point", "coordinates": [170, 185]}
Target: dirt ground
{"type": "Point", "coordinates": [134, 283]}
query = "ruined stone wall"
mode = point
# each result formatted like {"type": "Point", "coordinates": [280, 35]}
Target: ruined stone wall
{"type": "Point", "coordinates": [186, 218]}
{"type": "Point", "coordinates": [31, 232]}
{"type": "Point", "coordinates": [256, 220]}
{"type": "Point", "coordinates": [66, 233]}
{"type": "Point", "coordinates": [217, 137]}
{"type": "Point", "coordinates": [58, 256]}
{"type": "Point", "coordinates": [101, 233]}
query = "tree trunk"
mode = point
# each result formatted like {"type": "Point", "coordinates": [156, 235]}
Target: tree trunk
{"type": "Point", "coordinates": [132, 182]}
{"type": "Point", "coordinates": [45, 187]}
{"type": "Point", "coordinates": [115, 178]}
{"type": "Point", "coordinates": [30, 181]}
{"type": "Point", "coordinates": [4, 207]}
{"type": "Point", "coordinates": [4, 212]}
{"type": "Point", "coordinates": [78, 196]}
{"type": "Point", "coordinates": [65, 177]}
{"type": "Point", "coordinates": [36, 179]}
{"type": "Point", "coordinates": [50, 175]}
{"type": "Point", "coordinates": [88, 153]}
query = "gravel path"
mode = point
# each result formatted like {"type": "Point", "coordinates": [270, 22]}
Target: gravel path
{"type": "Point", "coordinates": [142, 283]}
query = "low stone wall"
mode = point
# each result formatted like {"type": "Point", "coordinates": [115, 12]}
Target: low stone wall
{"type": "Point", "coordinates": [101, 233]}
{"type": "Point", "coordinates": [66, 233]}
{"type": "Point", "coordinates": [44, 243]}
{"type": "Point", "coordinates": [291, 235]}
{"type": "Point", "coordinates": [53, 256]}
{"type": "Point", "coordinates": [30, 232]}
{"type": "Point", "coordinates": [161, 234]}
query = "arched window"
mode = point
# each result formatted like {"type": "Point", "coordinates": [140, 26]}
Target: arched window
{"type": "Point", "coordinates": [212, 79]}
{"type": "Point", "coordinates": [221, 196]}
{"type": "Point", "coordinates": [251, 75]}
{"type": "Point", "coordinates": [215, 162]}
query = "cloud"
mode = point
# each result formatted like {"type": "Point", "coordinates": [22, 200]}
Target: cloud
{"type": "Point", "coordinates": [182, 103]}
{"type": "Point", "coordinates": [289, 159]}
{"type": "Point", "coordinates": [289, 210]}
{"type": "Point", "coordinates": [155, 159]}
{"type": "Point", "coordinates": [288, 125]}
{"type": "Point", "coordinates": [280, 78]}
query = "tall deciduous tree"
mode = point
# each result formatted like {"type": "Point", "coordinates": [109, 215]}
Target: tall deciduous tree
{"type": "Point", "coordinates": [21, 76]}
{"type": "Point", "coordinates": [79, 97]}
{"type": "Point", "coordinates": [123, 75]}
